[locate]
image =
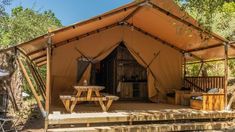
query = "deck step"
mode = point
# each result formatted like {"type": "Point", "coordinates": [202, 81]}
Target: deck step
{"type": "Point", "coordinates": [105, 117]}
{"type": "Point", "coordinates": [152, 127]}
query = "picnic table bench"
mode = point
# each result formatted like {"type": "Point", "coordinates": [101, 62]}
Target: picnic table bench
{"type": "Point", "coordinates": [90, 94]}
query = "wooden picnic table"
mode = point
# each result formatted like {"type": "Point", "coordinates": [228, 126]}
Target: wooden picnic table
{"type": "Point", "coordinates": [90, 94]}
{"type": "Point", "coordinates": [88, 90]}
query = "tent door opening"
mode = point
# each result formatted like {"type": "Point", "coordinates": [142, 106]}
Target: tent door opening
{"type": "Point", "coordinates": [121, 74]}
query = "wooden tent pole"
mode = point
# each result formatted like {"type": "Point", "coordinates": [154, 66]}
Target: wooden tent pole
{"type": "Point", "coordinates": [37, 62]}
{"type": "Point", "coordinates": [39, 57]}
{"type": "Point", "coordinates": [48, 79]}
{"type": "Point", "coordinates": [31, 85]}
{"type": "Point", "coordinates": [39, 76]}
{"type": "Point", "coordinates": [132, 14]}
{"type": "Point", "coordinates": [36, 79]}
{"type": "Point", "coordinates": [42, 63]}
{"type": "Point", "coordinates": [48, 76]}
{"type": "Point", "coordinates": [189, 63]}
{"type": "Point", "coordinates": [225, 73]}
{"type": "Point", "coordinates": [184, 67]}
{"type": "Point", "coordinates": [206, 48]}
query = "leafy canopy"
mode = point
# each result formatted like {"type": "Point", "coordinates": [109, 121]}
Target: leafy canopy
{"type": "Point", "coordinates": [214, 15]}
{"type": "Point", "coordinates": [217, 16]}
{"type": "Point", "coordinates": [25, 24]}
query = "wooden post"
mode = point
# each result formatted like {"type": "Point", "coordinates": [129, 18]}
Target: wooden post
{"type": "Point", "coordinates": [184, 70]}
{"type": "Point", "coordinates": [225, 73]}
{"type": "Point", "coordinates": [31, 86]}
{"type": "Point", "coordinates": [48, 76]}
{"type": "Point", "coordinates": [36, 79]}
{"type": "Point", "coordinates": [48, 79]}
{"type": "Point", "coordinates": [39, 76]}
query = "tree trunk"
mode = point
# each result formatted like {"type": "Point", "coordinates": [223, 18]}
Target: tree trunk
{"type": "Point", "coordinates": [12, 84]}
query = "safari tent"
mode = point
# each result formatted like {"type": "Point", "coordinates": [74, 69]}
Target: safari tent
{"type": "Point", "coordinates": [157, 34]}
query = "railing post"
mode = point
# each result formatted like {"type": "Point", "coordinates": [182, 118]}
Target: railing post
{"type": "Point", "coordinates": [184, 70]}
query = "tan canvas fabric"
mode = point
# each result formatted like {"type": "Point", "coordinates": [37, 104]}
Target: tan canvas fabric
{"type": "Point", "coordinates": [64, 58]}
{"type": "Point", "coordinates": [148, 19]}
{"type": "Point", "coordinates": [169, 29]}
{"type": "Point", "coordinates": [166, 68]}
{"type": "Point", "coordinates": [60, 36]}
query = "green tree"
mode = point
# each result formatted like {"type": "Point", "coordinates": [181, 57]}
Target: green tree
{"type": "Point", "coordinates": [25, 24]}
{"type": "Point", "coordinates": [217, 16]}
{"type": "Point", "coordinates": [214, 15]}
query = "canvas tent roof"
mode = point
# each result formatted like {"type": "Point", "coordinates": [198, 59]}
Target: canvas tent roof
{"type": "Point", "coordinates": [162, 20]}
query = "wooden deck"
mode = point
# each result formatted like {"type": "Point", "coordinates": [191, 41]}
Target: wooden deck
{"type": "Point", "coordinates": [132, 113]}
{"type": "Point", "coordinates": [121, 106]}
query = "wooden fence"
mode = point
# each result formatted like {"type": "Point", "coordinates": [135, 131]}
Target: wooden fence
{"type": "Point", "coordinates": [203, 84]}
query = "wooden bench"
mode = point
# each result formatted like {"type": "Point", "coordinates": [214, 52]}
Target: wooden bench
{"type": "Point", "coordinates": [109, 99]}
{"type": "Point", "coordinates": [209, 101]}
{"type": "Point", "coordinates": [66, 99]}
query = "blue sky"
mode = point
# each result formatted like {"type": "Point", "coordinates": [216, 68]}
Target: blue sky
{"type": "Point", "coordinates": [70, 11]}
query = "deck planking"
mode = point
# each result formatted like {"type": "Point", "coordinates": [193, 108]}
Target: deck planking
{"type": "Point", "coordinates": [126, 112]}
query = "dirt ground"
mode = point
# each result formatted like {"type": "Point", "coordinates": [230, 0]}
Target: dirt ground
{"type": "Point", "coordinates": [35, 123]}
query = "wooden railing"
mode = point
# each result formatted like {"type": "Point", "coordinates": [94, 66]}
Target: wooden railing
{"type": "Point", "coordinates": [203, 84]}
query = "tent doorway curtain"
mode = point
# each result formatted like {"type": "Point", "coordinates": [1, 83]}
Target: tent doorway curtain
{"type": "Point", "coordinates": [121, 74]}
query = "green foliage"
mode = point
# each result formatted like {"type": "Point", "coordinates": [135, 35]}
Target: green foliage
{"type": "Point", "coordinates": [25, 24]}
{"type": "Point", "coordinates": [211, 68]}
{"type": "Point", "coordinates": [192, 70]}
{"type": "Point", "coordinates": [210, 12]}
{"type": "Point", "coordinates": [217, 16]}
{"type": "Point", "coordinates": [43, 71]}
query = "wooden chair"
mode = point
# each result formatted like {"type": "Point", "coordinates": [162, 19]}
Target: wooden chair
{"type": "Point", "coordinates": [208, 101]}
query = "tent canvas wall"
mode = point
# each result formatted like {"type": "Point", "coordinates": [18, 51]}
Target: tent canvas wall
{"type": "Point", "coordinates": [164, 72]}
